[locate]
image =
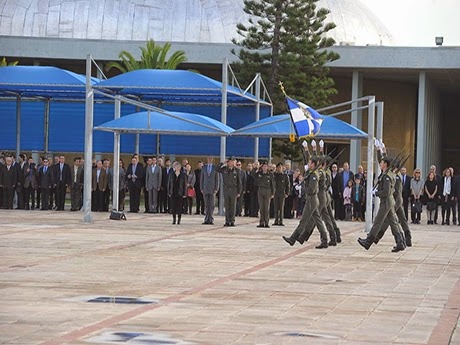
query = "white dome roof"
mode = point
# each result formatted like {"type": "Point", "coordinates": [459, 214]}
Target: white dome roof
{"type": "Point", "coordinates": [204, 21]}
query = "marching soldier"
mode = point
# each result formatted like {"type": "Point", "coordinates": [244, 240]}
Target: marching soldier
{"type": "Point", "coordinates": [384, 190]}
{"type": "Point", "coordinates": [282, 189]}
{"type": "Point", "coordinates": [310, 214]}
{"type": "Point", "coordinates": [266, 183]}
{"type": "Point", "coordinates": [231, 188]}
{"type": "Point", "coordinates": [336, 235]}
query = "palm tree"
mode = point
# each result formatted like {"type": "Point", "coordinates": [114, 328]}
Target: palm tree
{"type": "Point", "coordinates": [153, 56]}
{"type": "Point", "coordinates": [4, 63]}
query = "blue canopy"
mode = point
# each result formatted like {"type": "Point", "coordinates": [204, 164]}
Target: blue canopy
{"type": "Point", "coordinates": [173, 86]}
{"type": "Point", "coordinates": [42, 81]}
{"type": "Point", "coordinates": [280, 126]}
{"type": "Point", "coordinates": [166, 123]}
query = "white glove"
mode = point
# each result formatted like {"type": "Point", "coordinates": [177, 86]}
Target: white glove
{"type": "Point", "coordinates": [298, 187]}
{"type": "Point", "coordinates": [313, 143]}
{"type": "Point", "coordinates": [304, 144]}
{"type": "Point", "coordinates": [376, 143]}
{"type": "Point", "coordinates": [306, 167]}
{"type": "Point", "coordinates": [382, 145]}
{"type": "Point", "coordinates": [321, 143]}
{"type": "Point", "coordinates": [374, 191]}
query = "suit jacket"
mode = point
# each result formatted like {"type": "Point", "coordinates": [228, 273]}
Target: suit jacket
{"type": "Point", "coordinates": [30, 177]}
{"type": "Point", "coordinates": [109, 173]}
{"type": "Point", "coordinates": [406, 186]}
{"type": "Point", "coordinates": [165, 176]}
{"type": "Point", "coordinates": [244, 180]}
{"type": "Point", "coordinates": [80, 175]}
{"type": "Point", "coordinates": [65, 174]}
{"type": "Point", "coordinates": [153, 179]}
{"type": "Point", "coordinates": [335, 185]}
{"type": "Point", "coordinates": [102, 180]}
{"type": "Point", "coordinates": [9, 177]}
{"type": "Point", "coordinates": [341, 179]}
{"type": "Point", "coordinates": [209, 183]}
{"type": "Point", "coordinates": [180, 181]}
{"type": "Point", "coordinates": [136, 182]}
{"type": "Point", "coordinates": [249, 182]}
{"type": "Point", "coordinates": [45, 180]}
{"type": "Point", "coordinates": [198, 179]}
{"type": "Point", "coordinates": [456, 186]}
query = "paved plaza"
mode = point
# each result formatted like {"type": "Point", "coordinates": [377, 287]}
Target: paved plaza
{"type": "Point", "coordinates": [202, 284]}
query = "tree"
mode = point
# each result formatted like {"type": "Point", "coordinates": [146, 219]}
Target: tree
{"type": "Point", "coordinates": [285, 40]}
{"type": "Point", "coordinates": [4, 63]}
{"type": "Point", "coordinates": [153, 56]}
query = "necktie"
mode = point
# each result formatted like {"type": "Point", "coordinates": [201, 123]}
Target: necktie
{"type": "Point", "coordinates": [44, 170]}
{"type": "Point", "coordinates": [209, 169]}
{"type": "Point", "coordinates": [60, 177]}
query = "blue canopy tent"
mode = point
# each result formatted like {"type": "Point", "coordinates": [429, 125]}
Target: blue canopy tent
{"type": "Point", "coordinates": [152, 122]}
{"type": "Point", "coordinates": [39, 83]}
{"type": "Point", "coordinates": [280, 126]}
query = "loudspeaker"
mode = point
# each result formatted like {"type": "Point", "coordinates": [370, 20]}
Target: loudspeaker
{"type": "Point", "coordinates": [116, 215]}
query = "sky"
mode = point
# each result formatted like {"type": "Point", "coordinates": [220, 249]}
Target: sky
{"type": "Point", "coordinates": [418, 22]}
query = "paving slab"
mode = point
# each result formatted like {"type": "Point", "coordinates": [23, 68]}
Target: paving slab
{"type": "Point", "coordinates": [219, 285]}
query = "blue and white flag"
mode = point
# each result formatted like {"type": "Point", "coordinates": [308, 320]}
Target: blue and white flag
{"type": "Point", "coordinates": [307, 121]}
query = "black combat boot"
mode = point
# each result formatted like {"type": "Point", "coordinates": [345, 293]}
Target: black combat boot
{"type": "Point", "coordinates": [179, 216]}
{"type": "Point", "coordinates": [366, 242]}
{"type": "Point", "coordinates": [333, 241]}
{"type": "Point", "coordinates": [289, 240]}
{"type": "Point", "coordinates": [323, 245]}
{"type": "Point", "coordinates": [337, 235]}
{"type": "Point", "coordinates": [174, 219]}
{"type": "Point", "coordinates": [408, 240]}
{"type": "Point", "coordinates": [400, 243]}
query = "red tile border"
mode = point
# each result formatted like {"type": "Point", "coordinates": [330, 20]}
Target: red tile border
{"type": "Point", "coordinates": [442, 332]}
{"type": "Point", "coordinates": [114, 320]}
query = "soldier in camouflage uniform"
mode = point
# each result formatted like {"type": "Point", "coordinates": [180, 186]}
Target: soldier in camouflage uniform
{"type": "Point", "coordinates": [266, 191]}
{"type": "Point", "coordinates": [231, 188]}
{"type": "Point", "coordinates": [282, 189]}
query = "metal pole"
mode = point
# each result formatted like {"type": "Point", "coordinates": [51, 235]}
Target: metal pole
{"type": "Point", "coordinates": [18, 127]}
{"type": "Point", "coordinates": [256, 140]}
{"type": "Point", "coordinates": [370, 161]}
{"type": "Point", "coordinates": [47, 126]}
{"type": "Point", "coordinates": [136, 144]}
{"type": "Point", "coordinates": [270, 141]}
{"type": "Point", "coordinates": [379, 136]}
{"type": "Point", "coordinates": [89, 104]}
{"type": "Point", "coordinates": [116, 159]}
{"type": "Point", "coordinates": [223, 140]}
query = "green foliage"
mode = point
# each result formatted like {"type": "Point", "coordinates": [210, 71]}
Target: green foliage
{"type": "Point", "coordinates": [4, 63]}
{"type": "Point", "coordinates": [285, 40]}
{"type": "Point", "coordinates": [153, 56]}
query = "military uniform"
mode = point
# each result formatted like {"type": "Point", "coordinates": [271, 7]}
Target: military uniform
{"type": "Point", "coordinates": [266, 190]}
{"type": "Point", "coordinates": [282, 188]}
{"type": "Point", "coordinates": [231, 188]}
{"type": "Point", "coordinates": [385, 190]}
{"type": "Point", "coordinates": [337, 237]}
{"type": "Point", "coordinates": [310, 213]}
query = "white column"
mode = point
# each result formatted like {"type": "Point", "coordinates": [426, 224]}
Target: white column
{"type": "Point", "coordinates": [223, 140]}
{"type": "Point", "coordinates": [116, 158]}
{"type": "Point", "coordinates": [379, 136]}
{"type": "Point", "coordinates": [89, 106]}
{"type": "Point", "coordinates": [356, 119]}
{"type": "Point", "coordinates": [421, 124]}
{"type": "Point", "coordinates": [370, 160]}
{"type": "Point", "coordinates": [256, 140]}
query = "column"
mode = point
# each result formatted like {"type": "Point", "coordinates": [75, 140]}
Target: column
{"type": "Point", "coordinates": [421, 124]}
{"type": "Point", "coordinates": [356, 119]}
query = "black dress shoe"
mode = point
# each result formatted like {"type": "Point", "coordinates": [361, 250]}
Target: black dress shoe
{"type": "Point", "coordinates": [204, 223]}
{"type": "Point", "coordinates": [321, 246]}
{"type": "Point", "coordinates": [280, 224]}
{"type": "Point", "coordinates": [289, 240]}
{"type": "Point", "coordinates": [226, 224]}
{"type": "Point", "coordinates": [266, 226]}
{"type": "Point", "coordinates": [397, 249]}
{"type": "Point", "coordinates": [260, 226]}
{"type": "Point", "coordinates": [275, 224]}
{"type": "Point", "coordinates": [408, 242]}
{"type": "Point", "coordinates": [332, 243]}
{"type": "Point", "coordinates": [232, 224]}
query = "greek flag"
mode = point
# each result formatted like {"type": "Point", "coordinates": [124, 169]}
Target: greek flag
{"type": "Point", "coordinates": [307, 121]}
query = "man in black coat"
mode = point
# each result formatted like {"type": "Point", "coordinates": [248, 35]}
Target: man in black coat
{"type": "Point", "coordinates": [165, 202]}
{"type": "Point", "coordinates": [199, 194]}
{"type": "Point", "coordinates": [61, 180]}
{"type": "Point", "coordinates": [439, 183]}
{"type": "Point", "coordinates": [335, 190]}
{"type": "Point", "coordinates": [345, 176]}
{"type": "Point", "coordinates": [135, 180]}
{"type": "Point", "coordinates": [405, 179]}
{"type": "Point", "coordinates": [20, 166]}
{"type": "Point", "coordinates": [9, 179]}
{"type": "Point", "coordinates": [45, 184]}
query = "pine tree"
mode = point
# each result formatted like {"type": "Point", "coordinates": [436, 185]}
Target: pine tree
{"type": "Point", "coordinates": [285, 40]}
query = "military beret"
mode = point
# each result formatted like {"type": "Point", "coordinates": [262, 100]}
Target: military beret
{"type": "Point", "coordinates": [231, 158]}
{"type": "Point", "coordinates": [263, 163]}
{"type": "Point", "coordinates": [387, 159]}
{"type": "Point", "coordinates": [279, 164]}
{"type": "Point", "coordinates": [314, 159]}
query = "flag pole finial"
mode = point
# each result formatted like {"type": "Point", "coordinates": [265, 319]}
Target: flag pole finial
{"type": "Point", "coordinates": [282, 87]}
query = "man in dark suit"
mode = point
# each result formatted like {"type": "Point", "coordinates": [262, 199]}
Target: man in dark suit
{"type": "Point", "coordinates": [30, 184]}
{"type": "Point", "coordinates": [345, 176]}
{"type": "Point", "coordinates": [8, 181]}
{"type": "Point", "coordinates": [108, 190]}
{"type": "Point", "coordinates": [290, 198]}
{"type": "Point", "coordinates": [76, 185]}
{"type": "Point", "coordinates": [39, 165]}
{"type": "Point", "coordinates": [45, 183]}
{"type": "Point", "coordinates": [148, 164]}
{"type": "Point", "coordinates": [209, 187]}
{"type": "Point", "coordinates": [164, 199]}
{"type": "Point", "coordinates": [336, 191]}
{"type": "Point", "coordinates": [134, 178]}
{"type": "Point", "coordinates": [438, 195]}
{"type": "Point", "coordinates": [53, 191]}
{"type": "Point", "coordinates": [239, 201]}
{"type": "Point", "coordinates": [199, 195]}
{"type": "Point", "coordinates": [405, 180]}
{"type": "Point", "coordinates": [99, 185]}
{"type": "Point", "coordinates": [20, 166]}
{"type": "Point", "coordinates": [456, 193]}
{"type": "Point", "coordinates": [61, 182]}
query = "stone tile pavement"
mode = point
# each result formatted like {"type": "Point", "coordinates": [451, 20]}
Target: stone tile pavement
{"type": "Point", "coordinates": [216, 285]}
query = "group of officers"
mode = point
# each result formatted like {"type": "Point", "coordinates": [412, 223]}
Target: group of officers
{"type": "Point", "coordinates": [318, 212]}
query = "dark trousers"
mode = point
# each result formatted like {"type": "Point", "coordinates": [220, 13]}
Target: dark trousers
{"type": "Point", "coordinates": [8, 195]}
{"type": "Point", "coordinates": [164, 201]}
{"type": "Point", "coordinates": [446, 208]}
{"type": "Point", "coordinates": [60, 195]}
{"type": "Point", "coordinates": [1, 197]}
{"type": "Point", "coordinates": [30, 194]}
{"type": "Point", "coordinates": [121, 199]}
{"type": "Point", "coordinates": [435, 217]}
{"type": "Point", "coordinates": [134, 199]}
{"type": "Point", "coordinates": [146, 200]}
{"type": "Point", "coordinates": [406, 206]}
{"type": "Point", "coordinates": [75, 197]}
{"type": "Point", "coordinates": [247, 203]}
{"type": "Point", "coordinates": [189, 203]}
{"type": "Point", "coordinates": [357, 209]}
{"type": "Point", "coordinates": [336, 204]}
{"type": "Point", "coordinates": [45, 195]}
{"type": "Point", "coordinates": [39, 192]}
{"type": "Point", "coordinates": [254, 208]}
{"type": "Point", "coordinates": [20, 193]}
{"type": "Point", "coordinates": [199, 201]}
{"type": "Point", "coordinates": [98, 197]}
{"type": "Point", "coordinates": [341, 209]}
{"type": "Point", "coordinates": [107, 193]}
{"type": "Point", "coordinates": [288, 207]}
{"type": "Point", "coordinates": [52, 197]}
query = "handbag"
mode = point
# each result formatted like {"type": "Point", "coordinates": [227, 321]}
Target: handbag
{"type": "Point", "coordinates": [191, 192]}
{"type": "Point", "coordinates": [417, 206]}
{"type": "Point", "coordinates": [431, 205]}
{"type": "Point", "coordinates": [117, 215]}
